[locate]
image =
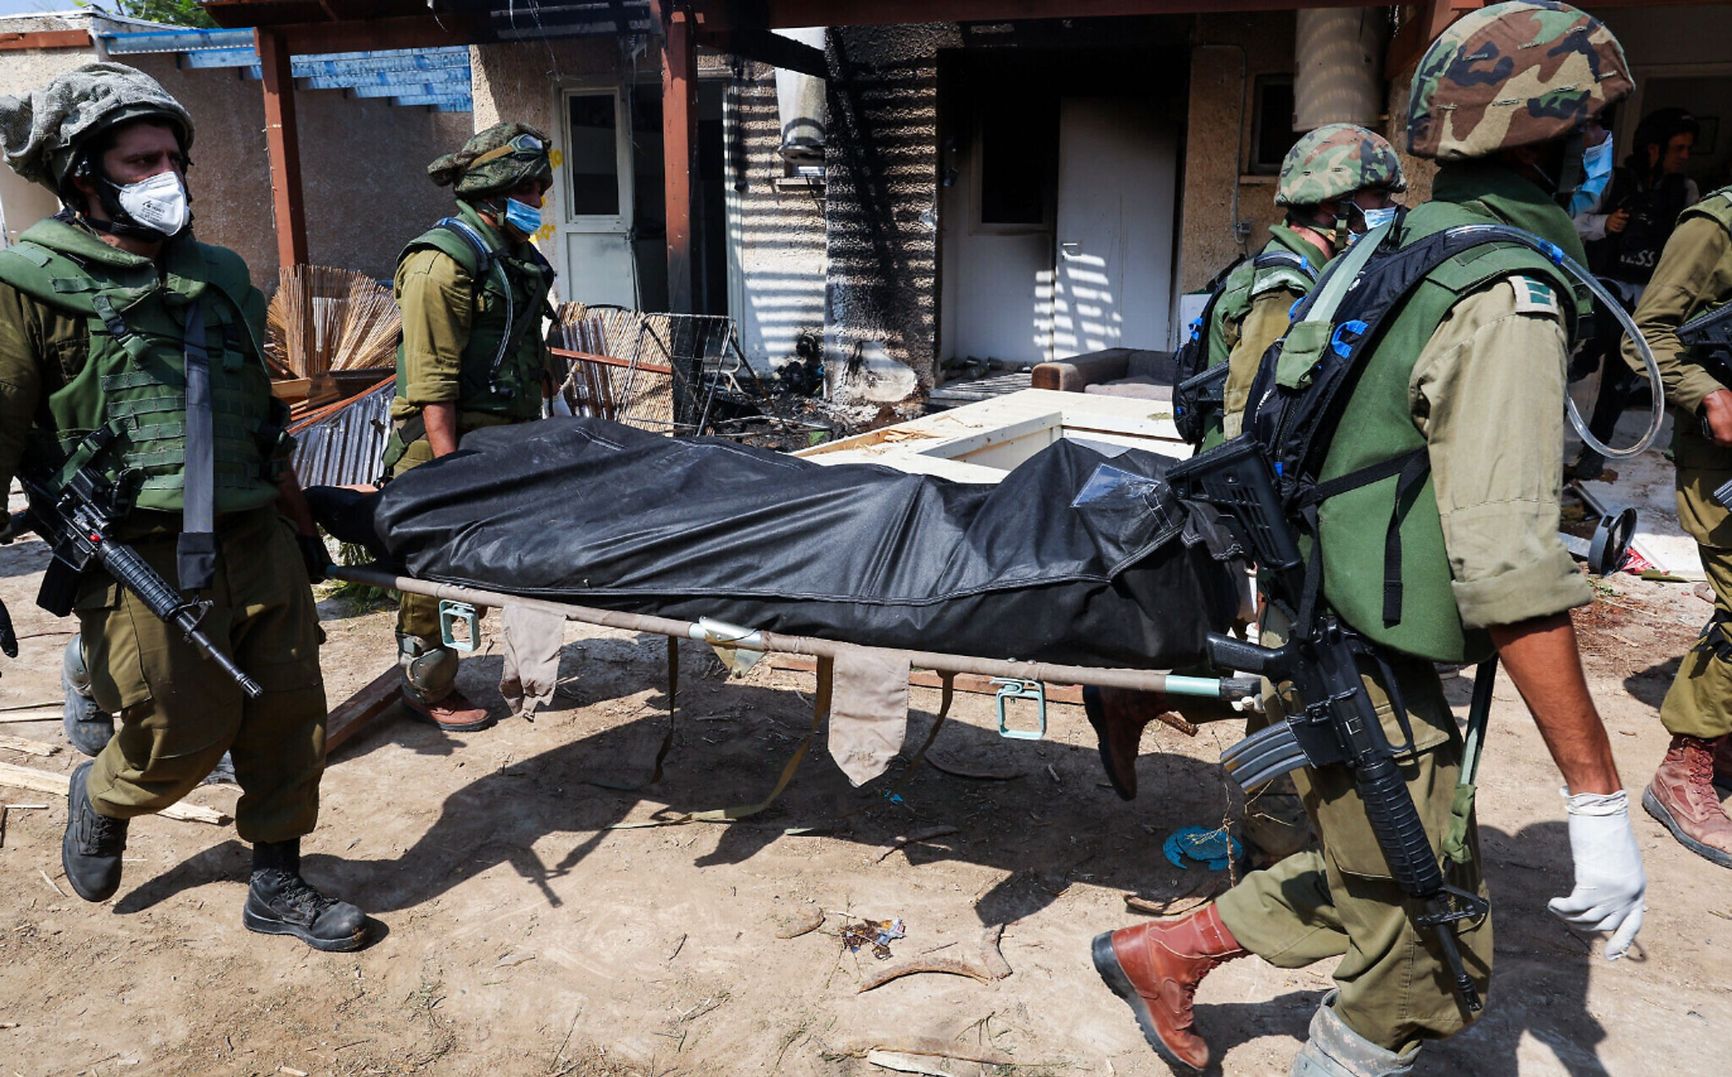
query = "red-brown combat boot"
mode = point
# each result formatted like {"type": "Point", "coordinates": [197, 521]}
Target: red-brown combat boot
{"type": "Point", "coordinates": [1682, 797]}
{"type": "Point", "coordinates": [1156, 968]}
{"type": "Point", "coordinates": [1723, 764]}
{"type": "Point", "coordinates": [454, 713]}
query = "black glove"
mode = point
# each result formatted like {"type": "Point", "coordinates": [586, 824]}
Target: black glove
{"type": "Point", "coordinates": [315, 556]}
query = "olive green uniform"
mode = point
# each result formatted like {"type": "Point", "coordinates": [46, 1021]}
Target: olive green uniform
{"type": "Point", "coordinates": [60, 375]}
{"type": "Point", "coordinates": [1253, 321]}
{"type": "Point", "coordinates": [452, 327]}
{"type": "Point", "coordinates": [1484, 396]}
{"type": "Point", "coordinates": [1695, 275]}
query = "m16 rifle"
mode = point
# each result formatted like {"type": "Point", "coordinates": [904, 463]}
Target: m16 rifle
{"type": "Point", "coordinates": [1198, 401]}
{"type": "Point", "coordinates": [1336, 721]}
{"type": "Point", "coordinates": [76, 518]}
{"type": "Point", "coordinates": [1709, 338]}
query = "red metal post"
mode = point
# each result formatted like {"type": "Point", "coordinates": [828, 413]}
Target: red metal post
{"type": "Point", "coordinates": [679, 139]}
{"type": "Point", "coordinates": [282, 142]}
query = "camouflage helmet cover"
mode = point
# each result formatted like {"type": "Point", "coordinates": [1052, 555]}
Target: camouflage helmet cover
{"type": "Point", "coordinates": [494, 160]}
{"type": "Point", "coordinates": [42, 131]}
{"type": "Point", "coordinates": [1512, 74]}
{"type": "Point", "coordinates": [1335, 160]}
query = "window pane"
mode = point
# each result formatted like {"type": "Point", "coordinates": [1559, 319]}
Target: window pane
{"type": "Point", "coordinates": [1018, 158]}
{"type": "Point", "coordinates": [594, 158]}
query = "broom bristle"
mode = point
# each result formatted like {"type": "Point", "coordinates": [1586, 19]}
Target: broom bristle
{"type": "Point", "coordinates": [324, 318]}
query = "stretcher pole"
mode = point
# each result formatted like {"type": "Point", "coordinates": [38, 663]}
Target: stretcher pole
{"type": "Point", "coordinates": [1240, 691]}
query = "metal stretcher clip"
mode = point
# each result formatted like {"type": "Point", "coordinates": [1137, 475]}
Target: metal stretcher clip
{"type": "Point", "coordinates": [452, 614]}
{"type": "Point", "coordinates": [1011, 688]}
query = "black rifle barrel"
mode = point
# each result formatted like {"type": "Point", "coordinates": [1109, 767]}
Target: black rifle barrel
{"type": "Point", "coordinates": [84, 531]}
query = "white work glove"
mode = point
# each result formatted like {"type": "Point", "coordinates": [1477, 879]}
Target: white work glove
{"type": "Point", "coordinates": [1609, 877]}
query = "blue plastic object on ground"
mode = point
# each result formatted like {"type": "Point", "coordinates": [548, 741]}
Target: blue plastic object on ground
{"type": "Point", "coordinates": [1213, 848]}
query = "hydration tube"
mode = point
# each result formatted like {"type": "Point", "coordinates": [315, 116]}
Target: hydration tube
{"type": "Point", "coordinates": [1555, 254]}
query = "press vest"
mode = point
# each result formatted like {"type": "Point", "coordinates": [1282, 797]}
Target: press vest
{"type": "Point", "coordinates": [513, 390]}
{"type": "Point", "coordinates": [1377, 425]}
{"type": "Point", "coordinates": [133, 376]}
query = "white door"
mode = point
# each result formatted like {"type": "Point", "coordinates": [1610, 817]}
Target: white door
{"type": "Point", "coordinates": [591, 200]}
{"type": "Point", "coordinates": [1112, 285]}
{"type": "Point", "coordinates": [998, 236]}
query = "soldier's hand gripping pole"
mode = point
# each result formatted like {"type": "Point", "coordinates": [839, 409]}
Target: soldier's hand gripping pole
{"type": "Point", "coordinates": [1335, 720]}
{"type": "Point", "coordinates": [75, 519]}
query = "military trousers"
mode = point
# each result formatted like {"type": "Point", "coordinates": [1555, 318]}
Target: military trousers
{"type": "Point", "coordinates": [178, 712]}
{"type": "Point", "coordinates": [1699, 703]}
{"type": "Point", "coordinates": [1338, 900]}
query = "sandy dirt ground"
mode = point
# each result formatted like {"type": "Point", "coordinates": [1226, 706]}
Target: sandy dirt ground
{"type": "Point", "coordinates": [525, 935]}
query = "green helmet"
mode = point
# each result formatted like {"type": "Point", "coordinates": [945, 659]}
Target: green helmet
{"type": "Point", "coordinates": [42, 133]}
{"type": "Point", "coordinates": [494, 160]}
{"type": "Point", "coordinates": [1335, 160]}
{"type": "Point", "coordinates": [1513, 74]}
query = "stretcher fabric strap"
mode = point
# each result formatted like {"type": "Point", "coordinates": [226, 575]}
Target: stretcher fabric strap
{"type": "Point", "coordinates": [820, 710]}
{"type": "Point", "coordinates": [195, 550]}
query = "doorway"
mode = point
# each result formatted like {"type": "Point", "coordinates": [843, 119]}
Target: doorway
{"type": "Point", "coordinates": [1059, 205]}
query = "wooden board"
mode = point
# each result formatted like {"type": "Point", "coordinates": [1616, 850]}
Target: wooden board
{"type": "Point", "coordinates": [354, 713]}
{"type": "Point", "coordinates": [29, 747]}
{"type": "Point", "coordinates": [44, 781]}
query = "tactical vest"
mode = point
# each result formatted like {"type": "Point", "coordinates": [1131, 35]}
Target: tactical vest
{"type": "Point", "coordinates": [133, 378]}
{"type": "Point", "coordinates": [1716, 206]}
{"type": "Point", "coordinates": [1361, 475]}
{"type": "Point", "coordinates": [499, 372]}
{"type": "Point", "coordinates": [1214, 332]}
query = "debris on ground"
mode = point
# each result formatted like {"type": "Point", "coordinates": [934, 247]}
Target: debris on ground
{"type": "Point", "coordinates": [986, 964]}
{"type": "Point", "coordinates": [878, 934]}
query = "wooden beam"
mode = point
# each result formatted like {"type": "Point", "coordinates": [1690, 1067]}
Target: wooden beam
{"type": "Point", "coordinates": [283, 145]}
{"type": "Point", "coordinates": [768, 48]}
{"type": "Point", "coordinates": [46, 39]}
{"type": "Point", "coordinates": [792, 13]}
{"type": "Point", "coordinates": [679, 141]}
{"type": "Point", "coordinates": [420, 32]}
{"type": "Point", "coordinates": [354, 713]}
{"type": "Point", "coordinates": [46, 781]}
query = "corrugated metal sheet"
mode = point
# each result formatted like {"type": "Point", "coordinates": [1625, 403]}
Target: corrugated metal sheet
{"type": "Point", "coordinates": [342, 446]}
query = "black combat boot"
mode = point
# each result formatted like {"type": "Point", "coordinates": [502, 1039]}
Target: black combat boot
{"type": "Point", "coordinates": [90, 851]}
{"type": "Point", "coordinates": [280, 902]}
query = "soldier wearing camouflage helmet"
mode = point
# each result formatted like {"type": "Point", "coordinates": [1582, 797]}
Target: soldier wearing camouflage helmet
{"type": "Point", "coordinates": [1336, 184]}
{"type": "Point", "coordinates": [109, 312]}
{"type": "Point", "coordinates": [1463, 387]}
{"type": "Point", "coordinates": [473, 291]}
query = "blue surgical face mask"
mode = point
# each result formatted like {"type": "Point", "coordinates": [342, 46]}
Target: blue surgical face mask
{"type": "Point", "coordinates": [523, 216]}
{"type": "Point", "coordinates": [1374, 219]}
{"type": "Point", "coordinates": [1597, 164]}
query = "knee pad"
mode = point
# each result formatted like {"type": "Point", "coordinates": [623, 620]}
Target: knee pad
{"type": "Point", "coordinates": [429, 670]}
{"type": "Point", "coordinates": [1334, 1050]}
{"type": "Point", "coordinates": [87, 725]}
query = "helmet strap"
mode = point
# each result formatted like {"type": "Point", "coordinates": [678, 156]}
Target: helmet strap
{"type": "Point", "coordinates": [119, 222]}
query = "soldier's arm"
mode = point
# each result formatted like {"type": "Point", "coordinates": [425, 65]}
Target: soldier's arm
{"type": "Point", "coordinates": [1488, 391]}
{"type": "Point", "coordinates": [20, 385]}
{"type": "Point", "coordinates": [1695, 267]}
{"type": "Point", "coordinates": [435, 296]}
{"type": "Point", "coordinates": [1264, 324]}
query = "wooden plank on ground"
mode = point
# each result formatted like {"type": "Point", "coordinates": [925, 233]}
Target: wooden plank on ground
{"type": "Point", "coordinates": [972, 683]}
{"type": "Point", "coordinates": [29, 747]}
{"type": "Point", "coordinates": [46, 781]}
{"type": "Point", "coordinates": [354, 713]}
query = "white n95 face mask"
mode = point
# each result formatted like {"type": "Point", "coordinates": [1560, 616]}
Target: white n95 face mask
{"type": "Point", "coordinates": [159, 202]}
